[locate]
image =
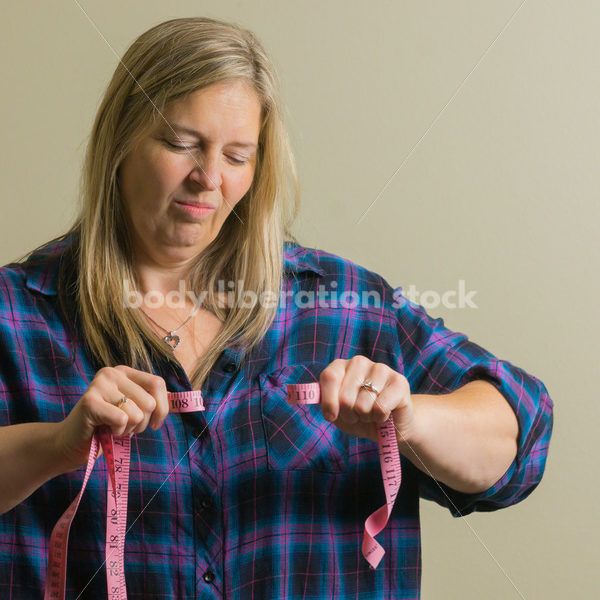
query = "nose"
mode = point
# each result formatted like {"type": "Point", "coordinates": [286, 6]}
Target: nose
{"type": "Point", "coordinates": [206, 172]}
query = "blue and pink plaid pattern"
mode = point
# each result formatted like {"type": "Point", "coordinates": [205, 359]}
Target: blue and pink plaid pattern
{"type": "Point", "coordinates": [255, 498]}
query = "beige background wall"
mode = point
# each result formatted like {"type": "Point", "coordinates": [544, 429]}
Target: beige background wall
{"type": "Point", "coordinates": [501, 192]}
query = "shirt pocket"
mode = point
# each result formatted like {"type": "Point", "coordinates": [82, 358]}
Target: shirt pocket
{"type": "Point", "coordinates": [298, 437]}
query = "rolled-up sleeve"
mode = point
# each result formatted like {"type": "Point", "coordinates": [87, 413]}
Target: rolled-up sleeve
{"type": "Point", "coordinates": [438, 361]}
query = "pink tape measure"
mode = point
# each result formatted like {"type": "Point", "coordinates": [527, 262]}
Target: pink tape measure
{"type": "Point", "coordinates": [391, 472]}
{"type": "Point", "coordinates": [117, 455]}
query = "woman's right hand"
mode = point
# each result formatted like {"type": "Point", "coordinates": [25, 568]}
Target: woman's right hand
{"type": "Point", "coordinates": [146, 404]}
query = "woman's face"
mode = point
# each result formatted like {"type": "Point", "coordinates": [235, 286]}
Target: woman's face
{"type": "Point", "coordinates": [178, 191]}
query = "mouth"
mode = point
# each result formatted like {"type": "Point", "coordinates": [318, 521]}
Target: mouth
{"type": "Point", "coordinates": [195, 204]}
{"type": "Point", "coordinates": [195, 209]}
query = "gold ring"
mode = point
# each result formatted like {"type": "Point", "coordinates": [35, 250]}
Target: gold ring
{"type": "Point", "coordinates": [121, 402]}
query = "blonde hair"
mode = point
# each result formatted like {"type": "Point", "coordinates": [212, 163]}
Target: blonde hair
{"type": "Point", "coordinates": [163, 64]}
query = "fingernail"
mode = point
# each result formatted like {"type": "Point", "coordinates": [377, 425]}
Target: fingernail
{"type": "Point", "coordinates": [328, 416]}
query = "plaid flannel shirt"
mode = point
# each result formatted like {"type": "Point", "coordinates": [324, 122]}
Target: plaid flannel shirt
{"type": "Point", "coordinates": [253, 498]}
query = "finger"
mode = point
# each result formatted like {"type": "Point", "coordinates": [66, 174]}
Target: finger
{"type": "Point", "coordinates": [357, 371]}
{"type": "Point", "coordinates": [395, 395]}
{"type": "Point", "coordinates": [134, 384]}
{"type": "Point", "coordinates": [329, 382]}
{"type": "Point", "coordinates": [156, 387]}
{"type": "Point", "coordinates": [137, 419]}
{"type": "Point", "coordinates": [96, 411]}
{"type": "Point", "coordinates": [382, 402]}
{"type": "Point", "coordinates": [365, 406]}
{"type": "Point", "coordinates": [139, 404]}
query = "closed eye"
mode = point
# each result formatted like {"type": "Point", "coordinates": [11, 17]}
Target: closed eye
{"type": "Point", "coordinates": [186, 147]}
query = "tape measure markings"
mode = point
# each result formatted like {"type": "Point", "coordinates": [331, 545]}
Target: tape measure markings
{"type": "Point", "coordinates": [117, 452]}
{"type": "Point", "coordinates": [391, 471]}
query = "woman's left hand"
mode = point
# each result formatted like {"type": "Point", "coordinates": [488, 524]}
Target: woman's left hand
{"type": "Point", "coordinates": [356, 410]}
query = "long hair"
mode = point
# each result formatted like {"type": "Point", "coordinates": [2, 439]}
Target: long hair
{"type": "Point", "coordinates": [167, 62]}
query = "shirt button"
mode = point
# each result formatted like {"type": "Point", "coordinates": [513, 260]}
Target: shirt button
{"type": "Point", "coordinates": [229, 367]}
{"type": "Point", "coordinates": [208, 576]}
{"type": "Point", "coordinates": [206, 503]}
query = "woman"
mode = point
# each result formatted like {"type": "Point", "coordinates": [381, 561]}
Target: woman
{"type": "Point", "coordinates": [189, 186]}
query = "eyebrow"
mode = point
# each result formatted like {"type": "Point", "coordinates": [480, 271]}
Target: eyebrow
{"type": "Point", "coordinates": [197, 134]}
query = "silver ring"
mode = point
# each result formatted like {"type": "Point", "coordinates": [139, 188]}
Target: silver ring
{"type": "Point", "coordinates": [370, 387]}
{"type": "Point", "coordinates": [120, 402]}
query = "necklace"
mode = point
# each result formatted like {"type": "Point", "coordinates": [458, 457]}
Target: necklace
{"type": "Point", "coordinates": [172, 339]}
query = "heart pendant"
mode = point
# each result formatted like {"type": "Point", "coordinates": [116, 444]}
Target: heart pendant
{"type": "Point", "coordinates": [172, 340]}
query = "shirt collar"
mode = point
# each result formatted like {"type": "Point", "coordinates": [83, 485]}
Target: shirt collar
{"type": "Point", "coordinates": [297, 258]}
{"type": "Point", "coordinates": [41, 268]}
{"type": "Point", "coordinates": [42, 276]}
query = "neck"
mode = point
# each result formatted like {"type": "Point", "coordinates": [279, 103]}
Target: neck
{"type": "Point", "coordinates": [162, 273]}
